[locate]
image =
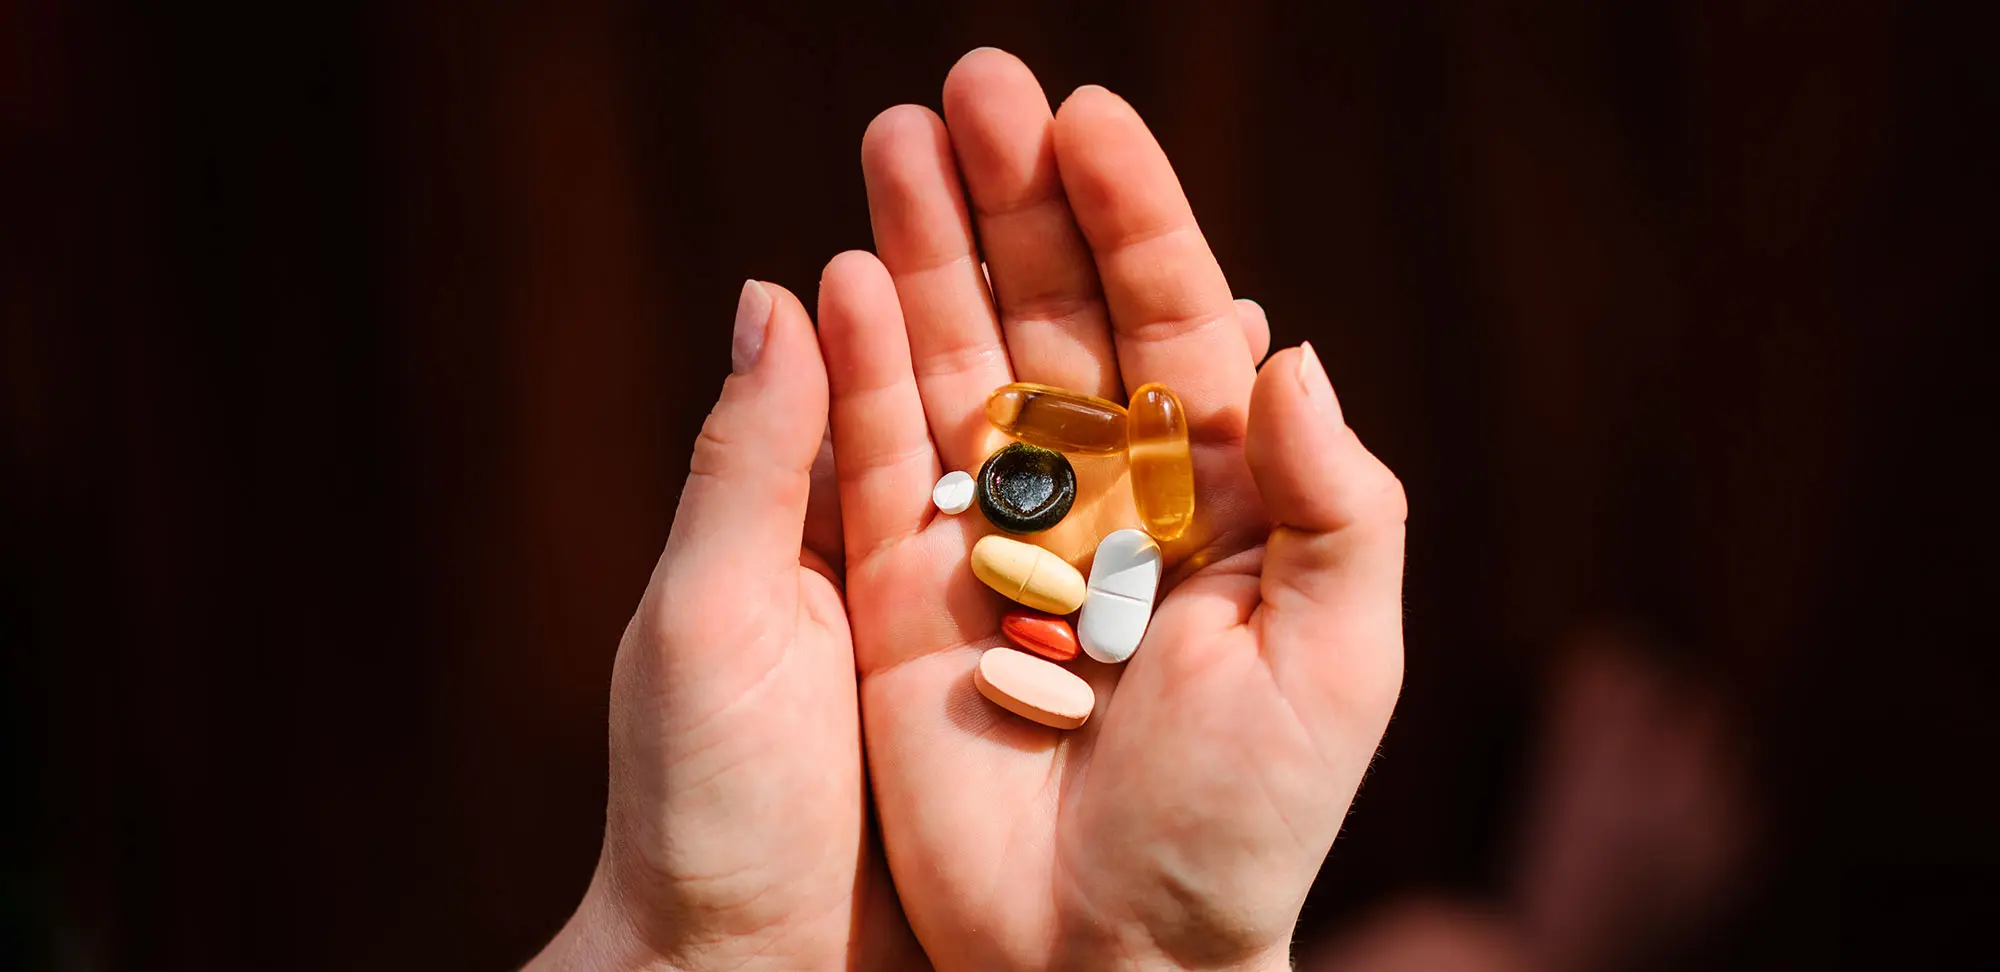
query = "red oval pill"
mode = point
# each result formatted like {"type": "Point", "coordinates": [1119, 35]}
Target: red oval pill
{"type": "Point", "coordinates": [1044, 634]}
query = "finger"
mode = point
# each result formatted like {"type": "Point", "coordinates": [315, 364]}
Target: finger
{"type": "Point", "coordinates": [1044, 282]}
{"type": "Point", "coordinates": [1171, 314]}
{"type": "Point", "coordinates": [882, 452]}
{"type": "Point", "coordinates": [823, 535]}
{"type": "Point", "coordinates": [924, 235]}
{"type": "Point", "coordinates": [743, 510]}
{"type": "Point", "coordinates": [1256, 327]}
{"type": "Point", "coordinates": [1332, 582]}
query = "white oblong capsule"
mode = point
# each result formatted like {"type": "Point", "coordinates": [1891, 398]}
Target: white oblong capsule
{"type": "Point", "coordinates": [1124, 576]}
{"type": "Point", "coordinates": [953, 493]}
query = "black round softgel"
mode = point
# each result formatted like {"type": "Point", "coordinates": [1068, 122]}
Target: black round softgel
{"type": "Point", "coordinates": [1026, 489]}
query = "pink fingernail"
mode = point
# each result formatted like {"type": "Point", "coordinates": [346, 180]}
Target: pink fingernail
{"type": "Point", "coordinates": [753, 317]}
{"type": "Point", "coordinates": [1318, 388]}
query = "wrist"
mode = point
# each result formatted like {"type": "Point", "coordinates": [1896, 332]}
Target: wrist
{"type": "Point", "coordinates": [599, 936]}
{"type": "Point", "coordinates": [1281, 961]}
{"type": "Point", "coordinates": [1277, 959]}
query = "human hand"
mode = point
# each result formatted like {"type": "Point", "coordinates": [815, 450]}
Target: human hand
{"type": "Point", "coordinates": [1641, 819]}
{"type": "Point", "coordinates": [1183, 824]}
{"type": "Point", "coordinates": [736, 835]}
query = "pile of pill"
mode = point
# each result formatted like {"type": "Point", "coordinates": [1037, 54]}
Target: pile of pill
{"type": "Point", "coordinates": [1028, 487]}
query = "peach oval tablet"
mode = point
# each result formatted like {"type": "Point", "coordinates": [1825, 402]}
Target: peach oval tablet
{"type": "Point", "coordinates": [1028, 574]}
{"type": "Point", "coordinates": [1034, 688]}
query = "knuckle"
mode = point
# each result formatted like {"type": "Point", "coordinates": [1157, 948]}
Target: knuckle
{"type": "Point", "coordinates": [1391, 501]}
{"type": "Point", "coordinates": [1377, 495]}
{"type": "Point", "coordinates": [711, 447]}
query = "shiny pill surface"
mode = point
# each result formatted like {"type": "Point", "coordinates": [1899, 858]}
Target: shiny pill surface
{"type": "Point", "coordinates": [1162, 467]}
{"type": "Point", "coordinates": [1028, 574]}
{"type": "Point", "coordinates": [1059, 419]}
{"type": "Point", "coordinates": [1044, 634]}
{"type": "Point", "coordinates": [1124, 578]}
{"type": "Point", "coordinates": [1034, 688]}
{"type": "Point", "coordinates": [1025, 489]}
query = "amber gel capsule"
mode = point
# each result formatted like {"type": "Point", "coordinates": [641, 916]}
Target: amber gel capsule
{"type": "Point", "coordinates": [1058, 419]}
{"type": "Point", "coordinates": [1162, 469]}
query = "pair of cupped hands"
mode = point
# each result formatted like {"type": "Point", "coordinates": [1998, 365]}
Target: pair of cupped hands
{"type": "Point", "coordinates": [802, 657]}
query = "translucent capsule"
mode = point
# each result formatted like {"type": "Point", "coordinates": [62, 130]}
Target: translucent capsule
{"type": "Point", "coordinates": [1055, 418]}
{"type": "Point", "coordinates": [1162, 469]}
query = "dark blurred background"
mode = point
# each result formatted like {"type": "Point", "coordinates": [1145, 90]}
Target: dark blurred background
{"type": "Point", "coordinates": [352, 357]}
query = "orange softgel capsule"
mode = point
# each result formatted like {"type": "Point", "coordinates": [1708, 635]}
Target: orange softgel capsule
{"type": "Point", "coordinates": [1044, 634]}
{"type": "Point", "coordinates": [1162, 467]}
{"type": "Point", "coordinates": [1058, 419]}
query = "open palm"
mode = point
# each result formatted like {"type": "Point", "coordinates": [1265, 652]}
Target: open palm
{"type": "Point", "coordinates": [1184, 823]}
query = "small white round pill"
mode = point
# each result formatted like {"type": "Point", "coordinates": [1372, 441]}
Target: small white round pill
{"type": "Point", "coordinates": [953, 493]}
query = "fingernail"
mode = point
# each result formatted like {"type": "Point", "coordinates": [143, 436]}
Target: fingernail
{"type": "Point", "coordinates": [753, 316]}
{"type": "Point", "coordinates": [1081, 89]}
{"type": "Point", "coordinates": [1312, 378]}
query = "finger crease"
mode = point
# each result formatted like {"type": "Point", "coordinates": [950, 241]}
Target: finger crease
{"type": "Point", "coordinates": [856, 565]}
{"type": "Point", "coordinates": [1148, 236]}
{"type": "Point", "coordinates": [857, 386]}
{"type": "Point", "coordinates": [927, 267]}
{"type": "Point", "coordinates": [963, 360]}
{"type": "Point", "coordinates": [1173, 328]}
{"type": "Point", "coordinates": [1052, 308]}
{"type": "Point", "coordinates": [880, 459]}
{"type": "Point", "coordinates": [1046, 198]}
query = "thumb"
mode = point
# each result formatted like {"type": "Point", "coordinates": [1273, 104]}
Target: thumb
{"type": "Point", "coordinates": [743, 510]}
{"type": "Point", "coordinates": [1332, 611]}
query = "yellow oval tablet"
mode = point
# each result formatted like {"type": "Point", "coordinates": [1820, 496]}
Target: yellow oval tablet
{"type": "Point", "coordinates": [1028, 574]}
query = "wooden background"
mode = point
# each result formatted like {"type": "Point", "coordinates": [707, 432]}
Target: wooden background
{"type": "Point", "coordinates": [352, 356]}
